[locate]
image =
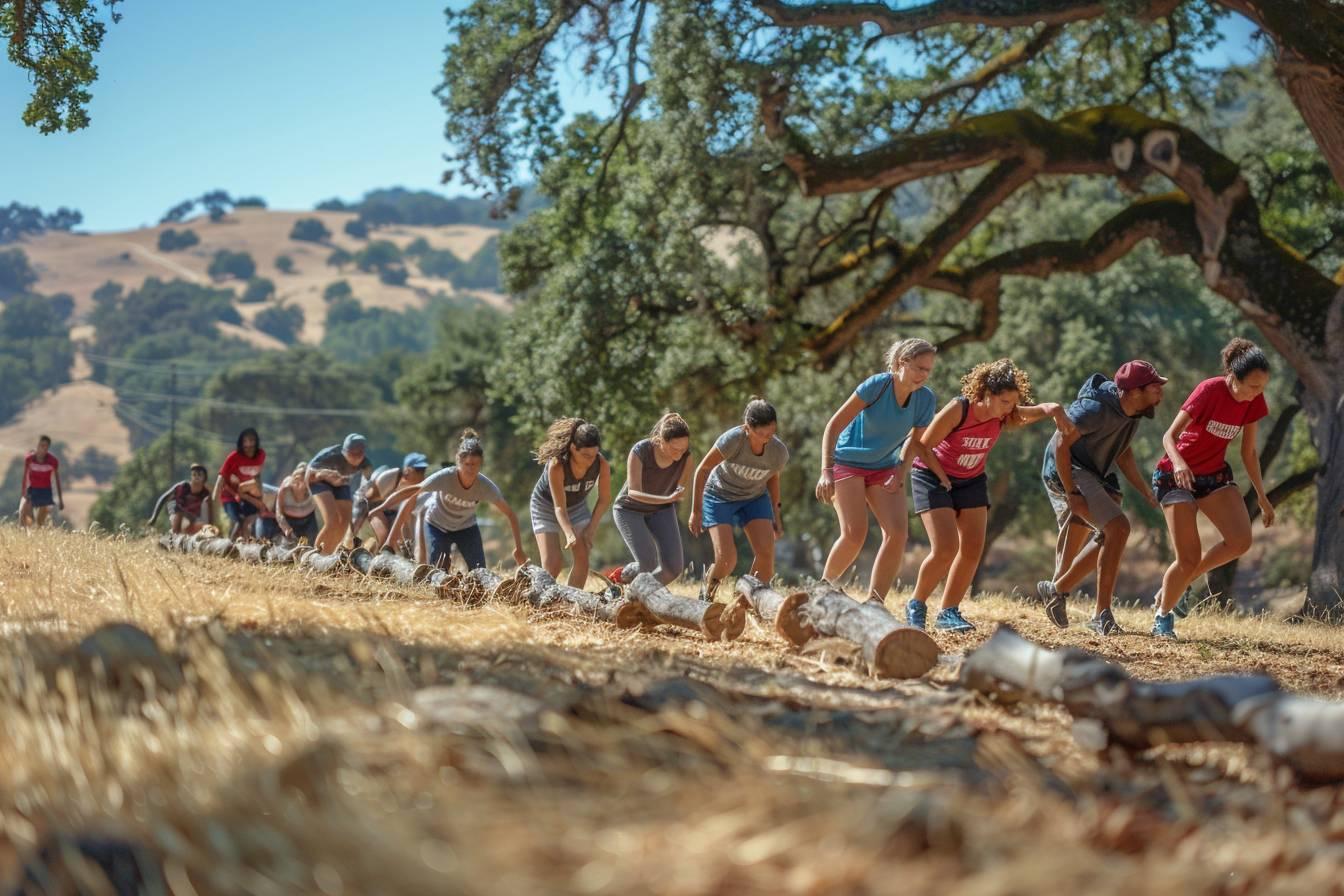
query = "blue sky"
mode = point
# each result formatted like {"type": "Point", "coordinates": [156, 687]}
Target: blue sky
{"type": "Point", "coordinates": [292, 101]}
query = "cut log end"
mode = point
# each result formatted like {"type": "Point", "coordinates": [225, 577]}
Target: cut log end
{"type": "Point", "coordinates": [734, 620]}
{"type": "Point", "coordinates": [631, 614]}
{"type": "Point", "coordinates": [712, 622]}
{"type": "Point", "coordinates": [789, 625]}
{"type": "Point", "coordinates": [904, 653]}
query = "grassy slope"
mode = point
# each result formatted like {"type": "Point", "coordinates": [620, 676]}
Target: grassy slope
{"type": "Point", "coordinates": [304, 753]}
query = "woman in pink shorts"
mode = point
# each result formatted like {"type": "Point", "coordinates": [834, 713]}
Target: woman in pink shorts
{"type": "Point", "coordinates": [865, 453]}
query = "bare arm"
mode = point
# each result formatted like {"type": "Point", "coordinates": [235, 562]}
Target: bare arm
{"type": "Point", "coordinates": [843, 416]}
{"type": "Point", "coordinates": [60, 498]}
{"type": "Point", "coordinates": [23, 480]}
{"type": "Point", "coordinates": [519, 555]}
{"type": "Point", "coordinates": [400, 495]}
{"type": "Point", "coordinates": [634, 483]}
{"type": "Point", "coordinates": [1030, 413]}
{"type": "Point", "coordinates": [1180, 469]}
{"type": "Point", "coordinates": [219, 488]}
{"type": "Point", "coordinates": [772, 486]}
{"type": "Point", "coordinates": [603, 500]}
{"type": "Point", "coordinates": [1064, 460]}
{"type": "Point", "coordinates": [707, 463]}
{"type": "Point", "coordinates": [406, 510]}
{"type": "Point", "coordinates": [919, 443]}
{"type": "Point", "coordinates": [158, 505]}
{"type": "Point", "coordinates": [1250, 458]}
{"type": "Point", "coordinates": [555, 478]}
{"type": "Point", "coordinates": [1130, 467]}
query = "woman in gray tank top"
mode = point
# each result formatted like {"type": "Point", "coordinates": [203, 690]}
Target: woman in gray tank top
{"type": "Point", "coordinates": [645, 512]}
{"type": "Point", "coordinates": [561, 521]}
{"type": "Point", "coordinates": [737, 484]}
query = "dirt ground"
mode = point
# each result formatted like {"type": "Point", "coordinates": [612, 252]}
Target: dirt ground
{"type": "Point", "coordinates": [337, 735]}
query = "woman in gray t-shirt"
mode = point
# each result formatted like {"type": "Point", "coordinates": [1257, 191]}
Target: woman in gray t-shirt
{"type": "Point", "coordinates": [573, 466]}
{"type": "Point", "coordinates": [737, 484]}
{"type": "Point", "coordinates": [646, 509]}
{"type": "Point", "coordinates": [449, 520]}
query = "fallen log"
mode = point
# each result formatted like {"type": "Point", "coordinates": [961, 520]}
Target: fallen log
{"type": "Point", "coordinates": [361, 560]}
{"type": "Point", "coordinates": [253, 552]}
{"type": "Point", "coordinates": [403, 570]}
{"type": "Point", "coordinates": [326, 563]}
{"type": "Point", "coordinates": [215, 547]}
{"type": "Point", "coordinates": [475, 586]}
{"type": "Point", "coordinates": [281, 555]}
{"type": "Point", "coordinates": [891, 649]}
{"type": "Point", "coordinates": [1304, 733]}
{"type": "Point", "coordinates": [779, 611]}
{"type": "Point", "coordinates": [717, 622]}
{"type": "Point", "coordinates": [543, 591]}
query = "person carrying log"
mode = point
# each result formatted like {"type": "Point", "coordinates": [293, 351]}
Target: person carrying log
{"type": "Point", "coordinates": [572, 467]}
{"type": "Point", "coordinates": [329, 474]}
{"type": "Point", "coordinates": [448, 518]}
{"type": "Point", "coordinates": [1194, 476]}
{"type": "Point", "coordinates": [40, 469]}
{"type": "Point", "coordinates": [994, 397]}
{"type": "Point", "coordinates": [645, 513]}
{"type": "Point", "coordinates": [737, 485]}
{"type": "Point", "coordinates": [866, 450]}
{"type": "Point", "coordinates": [1085, 494]}
{"type": "Point", "coordinates": [191, 509]}
{"type": "Point", "coordinates": [236, 484]}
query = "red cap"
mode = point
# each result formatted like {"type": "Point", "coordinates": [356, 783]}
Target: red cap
{"type": "Point", "coordinates": [1136, 375]}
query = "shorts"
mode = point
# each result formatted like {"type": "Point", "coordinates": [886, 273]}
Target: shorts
{"type": "Point", "coordinates": [1167, 492]}
{"type": "Point", "coordinates": [928, 493]}
{"type": "Point", "coordinates": [718, 512]}
{"type": "Point", "coordinates": [1102, 497]}
{"type": "Point", "coordinates": [239, 510]}
{"type": "Point", "coordinates": [870, 477]}
{"type": "Point", "coordinates": [40, 497]}
{"type": "Point", "coordinates": [544, 520]}
{"type": "Point", "coordinates": [339, 492]}
{"type": "Point", "coordinates": [174, 510]}
{"type": "Point", "coordinates": [468, 541]}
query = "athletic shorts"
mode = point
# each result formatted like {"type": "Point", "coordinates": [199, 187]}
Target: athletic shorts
{"type": "Point", "coordinates": [1102, 497]}
{"type": "Point", "coordinates": [239, 510]}
{"type": "Point", "coordinates": [40, 497]}
{"type": "Point", "coordinates": [928, 493]}
{"type": "Point", "coordinates": [544, 520]}
{"type": "Point", "coordinates": [718, 512]}
{"type": "Point", "coordinates": [870, 477]}
{"type": "Point", "coordinates": [1168, 492]}
{"type": "Point", "coordinates": [174, 510]}
{"type": "Point", "coordinates": [339, 492]}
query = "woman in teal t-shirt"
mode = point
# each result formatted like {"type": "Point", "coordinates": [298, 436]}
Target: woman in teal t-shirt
{"type": "Point", "coordinates": [866, 451]}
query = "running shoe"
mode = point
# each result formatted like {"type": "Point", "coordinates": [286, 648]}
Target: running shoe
{"type": "Point", "coordinates": [951, 620]}
{"type": "Point", "coordinates": [916, 614]}
{"type": "Point", "coordinates": [1164, 626]}
{"type": "Point", "coordinates": [1104, 624]}
{"type": "Point", "coordinates": [1056, 609]}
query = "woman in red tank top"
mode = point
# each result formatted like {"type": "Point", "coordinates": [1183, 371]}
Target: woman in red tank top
{"type": "Point", "coordinates": [961, 436]}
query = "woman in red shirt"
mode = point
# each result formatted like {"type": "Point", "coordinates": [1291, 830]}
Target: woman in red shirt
{"type": "Point", "coordinates": [238, 483]}
{"type": "Point", "coordinates": [1195, 477]}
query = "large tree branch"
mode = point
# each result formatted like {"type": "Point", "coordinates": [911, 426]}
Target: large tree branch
{"type": "Point", "coordinates": [1015, 56]}
{"type": "Point", "coordinates": [998, 13]}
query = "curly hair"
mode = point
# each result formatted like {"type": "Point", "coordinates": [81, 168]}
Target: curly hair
{"type": "Point", "coordinates": [565, 432]}
{"type": "Point", "coordinates": [995, 377]}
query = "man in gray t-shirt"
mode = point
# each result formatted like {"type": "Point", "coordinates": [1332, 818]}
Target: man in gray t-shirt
{"type": "Point", "coordinates": [742, 475]}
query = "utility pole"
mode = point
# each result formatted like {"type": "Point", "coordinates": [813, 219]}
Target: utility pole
{"type": "Point", "coordinates": [172, 423]}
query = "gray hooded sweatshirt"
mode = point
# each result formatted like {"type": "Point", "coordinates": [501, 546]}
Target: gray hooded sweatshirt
{"type": "Point", "coordinates": [1104, 429]}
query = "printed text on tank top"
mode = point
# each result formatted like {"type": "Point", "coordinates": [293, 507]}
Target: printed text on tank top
{"type": "Point", "coordinates": [454, 499]}
{"type": "Point", "coordinates": [584, 484]}
{"type": "Point", "coordinates": [963, 451]}
{"type": "Point", "coordinates": [752, 474]}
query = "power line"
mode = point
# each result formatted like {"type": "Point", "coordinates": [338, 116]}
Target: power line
{"type": "Point", "coordinates": [255, 408]}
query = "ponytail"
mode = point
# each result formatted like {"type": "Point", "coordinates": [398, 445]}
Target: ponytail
{"type": "Point", "coordinates": [1241, 357]}
{"type": "Point", "coordinates": [469, 445]}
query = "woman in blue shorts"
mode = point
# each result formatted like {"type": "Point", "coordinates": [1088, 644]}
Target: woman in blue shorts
{"type": "Point", "coordinates": [737, 484]}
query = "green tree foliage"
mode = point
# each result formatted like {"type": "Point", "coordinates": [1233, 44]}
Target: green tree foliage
{"type": "Point", "coordinates": [53, 42]}
{"type": "Point", "coordinates": [397, 205]}
{"type": "Point", "coordinates": [281, 321]}
{"type": "Point", "coordinates": [482, 270]}
{"type": "Point", "coordinates": [443, 264]}
{"type": "Point", "coordinates": [310, 230]}
{"type": "Point", "coordinates": [171, 240]}
{"type": "Point", "coordinates": [259, 289]}
{"type": "Point", "coordinates": [129, 500]}
{"type": "Point", "coordinates": [339, 289]}
{"type": "Point", "coordinates": [339, 258]}
{"type": "Point", "coordinates": [228, 263]}
{"type": "Point", "coordinates": [249, 202]}
{"type": "Point", "coordinates": [284, 264]}
{"type": "Point", "coordinates": [357, 229]}
{"type": "Point", "coordinates": [358, 334]}
{"type": "Point", "coordinates": [16, 273]}
{"type": "Point", "coordinates": [35, 349]}
{"type": "Point", "coordinates": [378, 255]}
{"type": "Point", "coordinates": [98, 464]}
{"type": "Point", "coordinates": [25, 220]}
{"type": "Point", "coordinates": [393, 276]}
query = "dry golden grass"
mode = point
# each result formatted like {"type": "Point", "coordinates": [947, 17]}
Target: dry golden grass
{"type": "Point", "coordinates": [335, 735]}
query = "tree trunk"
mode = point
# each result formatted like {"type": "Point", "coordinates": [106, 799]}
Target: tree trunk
{"type": "Point", "coordinates": [779, 611]}
{"type": "Point", "coordinates": [890, 649]}
{"type": "Point", "coordinates": [1325, 590]}
{"type": "Point", "coordinates": [717, 622]}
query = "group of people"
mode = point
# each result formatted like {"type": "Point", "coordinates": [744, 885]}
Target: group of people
{"type": "Point", "coordinates": [888, 438]}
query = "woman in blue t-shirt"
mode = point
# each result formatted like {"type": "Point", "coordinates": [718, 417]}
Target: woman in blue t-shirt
{"type": "Point", "coordinates": [866, 451]}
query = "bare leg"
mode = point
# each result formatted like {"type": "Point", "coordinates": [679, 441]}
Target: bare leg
{"type": "Point", "coordinates": [889, 510]}
{"type": "Point", "coordinates": [1227, 511]}
{"type": "Point", "coordinates": [761, 537]}
{"type": "Point", "coordinates": [578, 573]}
{"type": "Point", "coordinates": [941, 525]}
{"type": "Point", "coordinates": [1183, 526]}
{"type": "Point", "coordinates": [971, 545]}
{"type": "Point", "coordinates": [333, 523]}
{"type": "Point", "coordinates": [25, 512]}
{"type": "Point", "coordinates": [725, 557]}
{"type": "Point", "coordinates": [851, 508]}
{"type": "Point", "coordinates": [1073, 538]}
{"type": "Point", "coordinates": [552, 554]}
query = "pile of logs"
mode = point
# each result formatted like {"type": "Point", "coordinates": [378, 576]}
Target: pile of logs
{"type": "Point", "coordinates": [1303, 733]}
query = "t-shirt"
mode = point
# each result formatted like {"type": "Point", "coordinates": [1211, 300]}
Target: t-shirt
{"type": "Point", "coordinates": [964, 451]}
{"type": "Point", "coordinates": [873, 439]}
{"type": "Point", "coordinates": [385, 479]}
{"type": "Point", "coordinates": [454, 507]}
{"type": "Point", "coordinates": [39, 471]}
{"type": "Point", "coordinates": [332, 458]}
{"type": "Point", "coordinates": [742, 475]}
{"type": "Point", "coordinates": [1216, 420]}
{"type": "Point", "coordinates": [189, 502]}
{"type": "Point", "coordinates": [1104, 429]}
{"type": "Point", "coordinates": [653, 479]}
{"type": "Point", "coordinates": [239, 465]}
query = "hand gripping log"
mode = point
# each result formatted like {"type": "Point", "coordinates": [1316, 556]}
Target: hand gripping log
{"type": "Point", "coordinates": [253, 552]}
{"type": "Point", "coordinates": [891, 649]}
{"type": "Point", "coordinates": [779, 611]}
{"type": "Point", "coordinates": [717, 622]}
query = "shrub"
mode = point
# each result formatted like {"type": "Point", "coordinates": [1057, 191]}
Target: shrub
{"type": "Point", "coordinates": [439, 263]}
{"type": "Point", "coordinates": [357, 229]}
{"type": "Point", "coordinates": [259, 289]}
{"type": "Point", "coordinates": [310, 230]}
{"type": "Point", "coordinates": [284, 264]}
{"type": "Point", "coordinates": [249, 202]}
{"type": "Point", "coordinates": [340, 289]}
{"type": "Point", "coordinates": [98, 464]}
{"type": "Point", "coordinates": [378, 255]}
{"type": "Point", "coordinates": [281, 321]}
{"type": "Point", "coordinates": [419, 246]}
{"type": "Point", "coordinates": [16, 274]}
{"type": "Point", "coordinates": [232, 264]}
{"type": "Point", "coordinates": [393, 276]}
{"type": "Point", "coordinates": [172, 240]}
{"type": "Point", "coordinates": [339, 258]}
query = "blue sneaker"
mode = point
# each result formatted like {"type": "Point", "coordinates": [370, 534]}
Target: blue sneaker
{"type": "Point", "coordinates": [916, 614]}
{"type": "Point", "coordinates": [951, 620]}
{"type": "Point", "coordinates": [1164, 626]}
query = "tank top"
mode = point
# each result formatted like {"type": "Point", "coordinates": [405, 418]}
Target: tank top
{"type": "Point", "coordinates": [576, 487]}
{"type": "Point", "coordinates": [964, 451]}
{"type": "Point", "coordinates": [297, 508]}
{"type": "Point", "coordinates": [655, 480]}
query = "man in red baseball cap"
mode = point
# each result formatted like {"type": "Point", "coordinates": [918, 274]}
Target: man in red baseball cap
{"type": "Point", "coordinates": [1084, 491]}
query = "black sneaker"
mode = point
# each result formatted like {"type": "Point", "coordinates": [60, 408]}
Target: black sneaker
{"type": "Point", "coordinates": [1056, 610]}
{"type": "Point", "coordinates": [1104, 624]}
